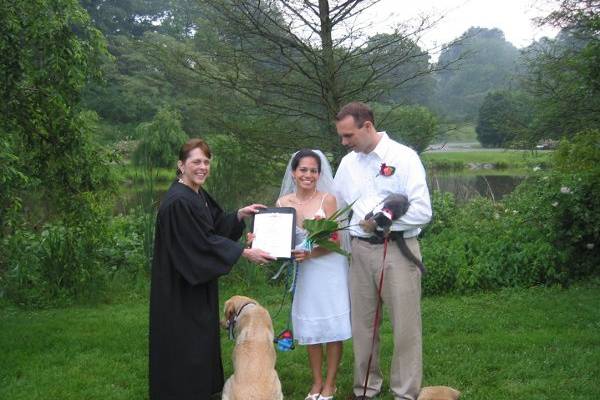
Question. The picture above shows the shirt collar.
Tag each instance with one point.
(381, 148)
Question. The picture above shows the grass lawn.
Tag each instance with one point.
(506, 162)
(462, 133)
(509, 157)
(540, 343)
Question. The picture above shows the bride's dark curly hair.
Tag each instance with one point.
(300, 154)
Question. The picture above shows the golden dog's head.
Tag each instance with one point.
(438, 393)
(233, 306)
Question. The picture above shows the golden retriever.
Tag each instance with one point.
(254, 376)
(438, 393)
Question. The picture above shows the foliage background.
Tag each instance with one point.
(100, 94)
(97, 96)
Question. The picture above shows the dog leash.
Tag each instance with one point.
(290, 268)
(285, 339)
(377, 316)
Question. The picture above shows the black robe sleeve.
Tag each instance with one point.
(226, 225)
(195, 248)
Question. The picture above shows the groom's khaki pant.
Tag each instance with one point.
(401, 296)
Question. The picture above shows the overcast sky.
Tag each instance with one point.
(513, 17)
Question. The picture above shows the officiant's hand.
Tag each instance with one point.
(249, 211)
(258, 256)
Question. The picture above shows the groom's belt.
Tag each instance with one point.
(396, 236)
(374, 239)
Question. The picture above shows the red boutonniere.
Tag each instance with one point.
(386, 170)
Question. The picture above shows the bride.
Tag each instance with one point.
(321, 305)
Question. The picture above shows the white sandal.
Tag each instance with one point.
(327, 397)
(313, 396)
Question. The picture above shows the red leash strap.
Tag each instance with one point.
(377, 315)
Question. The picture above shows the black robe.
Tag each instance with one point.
(195, 243)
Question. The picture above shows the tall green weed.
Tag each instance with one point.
(52, 266)
(62, 263)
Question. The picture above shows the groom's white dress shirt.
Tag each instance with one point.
(358, 178)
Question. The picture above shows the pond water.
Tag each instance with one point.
(465, 187)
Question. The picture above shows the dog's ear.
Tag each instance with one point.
(229, 309)
(228, 313)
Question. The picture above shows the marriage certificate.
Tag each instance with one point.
(274, 231)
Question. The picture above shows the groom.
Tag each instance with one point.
(376, 167)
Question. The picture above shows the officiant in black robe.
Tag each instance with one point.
(195, 243)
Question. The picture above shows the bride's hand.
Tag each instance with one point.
(300, 255)
(249, 210)
(249, 238)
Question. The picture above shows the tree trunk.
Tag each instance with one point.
(330, 97)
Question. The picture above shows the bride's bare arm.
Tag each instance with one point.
(329, 206)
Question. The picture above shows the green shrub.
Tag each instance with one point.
(444, 208)
(484, 246)
(546, 232)
(566, 208)
(12, 179)
(581, 154)
(64, 263)
(53, 266)
(501, 165)
(160, 140)
(124, 252)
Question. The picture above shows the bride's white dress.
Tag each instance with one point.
(321, 306)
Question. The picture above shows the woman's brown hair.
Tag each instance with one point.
(187, 147)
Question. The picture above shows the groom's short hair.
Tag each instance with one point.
(359, 111)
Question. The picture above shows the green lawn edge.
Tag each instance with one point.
(539, 343)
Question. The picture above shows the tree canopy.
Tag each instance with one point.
(297, 63)
(504, 118)
(49, 51)
(564, 73)
(488, 62)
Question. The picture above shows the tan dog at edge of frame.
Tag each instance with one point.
(254, 375)
(438, 393)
